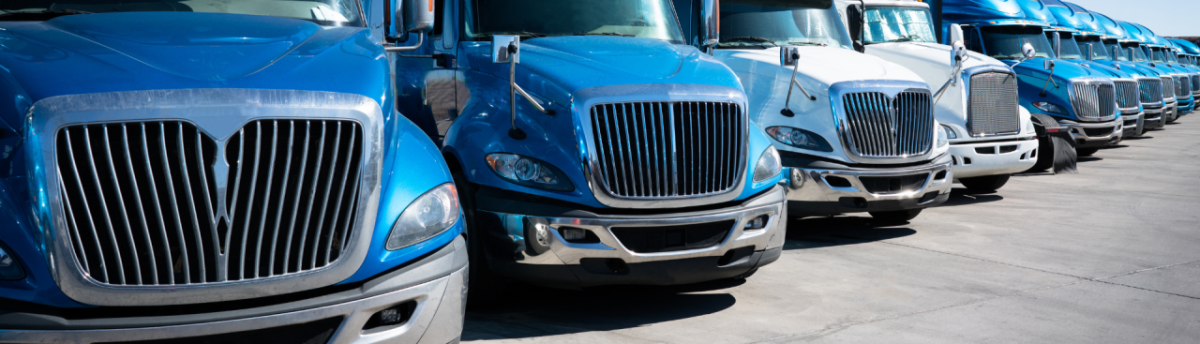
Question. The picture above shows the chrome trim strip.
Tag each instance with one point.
(219, 113)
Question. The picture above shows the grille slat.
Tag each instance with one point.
(656, 150)
(879, 126)
(1094, 100)
(1127, 94)
(142, 195)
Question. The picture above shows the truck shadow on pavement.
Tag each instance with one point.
(816, 232)
(962, 196)
(532, 311)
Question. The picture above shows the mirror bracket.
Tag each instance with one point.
(507, 49)
(1049, 78)
(791, 55)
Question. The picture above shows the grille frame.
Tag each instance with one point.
(1150, 92)
(1079, 98)
(1183, 87)
(1168, 88)
(969, 81)
(1127, 91)
(586, 99)
(218, 113)
(890, 89)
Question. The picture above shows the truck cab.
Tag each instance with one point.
(1188, 54)
(591, 145)
(1164, 50)
(1121, 48)
(1067, 23)
(1078, 98)
(202, 171)
(1144, 42)
(990, 135)
(855, 133)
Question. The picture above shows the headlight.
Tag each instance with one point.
(430, 215)
(1051, 108)
(942, 141)
(950, 134)
(800, 138)
(10, 269)
(768, 165)
(528, 172)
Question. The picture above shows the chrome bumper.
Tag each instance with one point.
(532, 248)
(1133, 124)
(993, 158)
(436, 318)
(810, 192)
(1153, 118)
(1112, 133)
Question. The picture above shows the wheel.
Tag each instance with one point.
(984, 184)
(484, 286)
(1086, 151)
(896, 215)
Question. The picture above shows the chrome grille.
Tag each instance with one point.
(1127, 94)
(142, 202)
(878, 126)
(1150, 91)
(657, 150)
(1183, 87)
(1195, 83)
(993, 104)
(1094, 99)
(1168, 88)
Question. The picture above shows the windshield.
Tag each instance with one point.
(323, 12)
(1121, 53)
(898, 24)
(654, 19)
(1099, 52)
(1070, 49)
(1158, 56)
(1138, 54)
(766, 23)
(1004, 42)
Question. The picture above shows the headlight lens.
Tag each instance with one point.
(942, 141)
(800, 138)
(430, 215)
(1050, 108)
(528, 171)
(950, 134)
(10, 269)
(768, 165)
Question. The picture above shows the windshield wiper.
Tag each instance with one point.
(750, 38)
(819, 44)
(602, 34)
(517, 33)
(43, 15)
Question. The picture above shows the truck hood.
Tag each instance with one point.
(557, 67)
(929, 60)
(822, 65)
(1063, 70)
(111, 52)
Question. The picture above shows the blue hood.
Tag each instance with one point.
(557, 67)
(173, 50)
(1063, 69)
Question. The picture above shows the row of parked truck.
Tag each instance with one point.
(345, 171)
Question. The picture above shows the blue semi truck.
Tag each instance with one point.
(1189, 55)
(591, 145)
(1067, 23)
(1146, 44)
(1080, 99)
(202, 171)
(1123, 48)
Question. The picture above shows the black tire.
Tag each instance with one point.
(896, 215)
(1086, 151)
(985, 183)
(484, 287)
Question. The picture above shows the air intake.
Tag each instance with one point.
(1127, 94)
(992, 109)
(1094, 99)
(878, 126)
(1150, 91)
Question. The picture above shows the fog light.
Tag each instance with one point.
(759, 222)
(573, 233)
(578, 235)
(390, 316)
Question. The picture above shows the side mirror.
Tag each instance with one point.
(506, 49)
(1116, 53)
(1049, 65)
(1057, 45)
(710, 16)
(1091, 52)
(788, 56)
(417, 16)
(1027, 50)
(958, 50)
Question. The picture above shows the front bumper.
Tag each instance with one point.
(1134, 123)
(977, 159)
(826, 188)
(1154, 118)
(523, 241)
(435, 287)
(1103, 134)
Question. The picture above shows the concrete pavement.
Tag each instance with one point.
(1108, 255)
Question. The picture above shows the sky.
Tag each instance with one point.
(1164, 17)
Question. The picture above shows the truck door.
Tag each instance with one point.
(433, 100)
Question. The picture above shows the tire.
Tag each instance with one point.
(896, 215)
(1086, 151)
(984, 184)
(484, 286)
